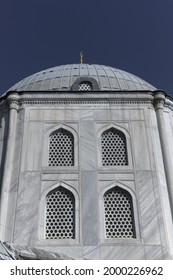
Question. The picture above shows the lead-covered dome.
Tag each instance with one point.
(63, 78)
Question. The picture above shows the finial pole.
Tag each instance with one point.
(81, 57)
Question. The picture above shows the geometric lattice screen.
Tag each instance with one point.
(60, 214)
(85, 86)
(114, 150)
(119, 219)
(61, 148)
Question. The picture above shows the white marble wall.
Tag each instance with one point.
(144, 177)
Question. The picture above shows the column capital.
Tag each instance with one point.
(13, 100)
(159, 100)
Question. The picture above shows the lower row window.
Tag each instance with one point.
(118, 212)
(60, 215)
(118, 208)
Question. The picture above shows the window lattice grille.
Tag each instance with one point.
(84, 86)
(61, 148)
(119, 221)
(113, 144)
(60, 217)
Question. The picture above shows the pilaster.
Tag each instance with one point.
(159, 101)
(12, 101)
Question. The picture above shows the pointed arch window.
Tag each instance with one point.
(119, 216)
(60, 214)
(61, 148)
(114, 149)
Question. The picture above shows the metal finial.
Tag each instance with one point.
(81, 57)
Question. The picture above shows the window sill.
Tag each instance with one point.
(59, 169)
(120, 241)
(58, 242)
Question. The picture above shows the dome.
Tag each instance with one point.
(62, 78)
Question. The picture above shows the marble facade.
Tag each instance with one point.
(26, 123)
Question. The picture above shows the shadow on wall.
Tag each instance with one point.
(3, 144)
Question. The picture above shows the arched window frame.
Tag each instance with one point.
(128, 147)
(103, 237)
(42, 215)
(49, 131)
(92, 81)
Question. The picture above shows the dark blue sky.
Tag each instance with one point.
(132, 35)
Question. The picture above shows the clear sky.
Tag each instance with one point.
(132, 35)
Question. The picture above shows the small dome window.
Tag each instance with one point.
(85, 86)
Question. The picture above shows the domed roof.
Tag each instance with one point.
(62, 78)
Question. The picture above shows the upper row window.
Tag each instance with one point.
(113, 148)
(61, 148)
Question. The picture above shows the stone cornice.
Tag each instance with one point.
(77, 101)
(85, 98)
(60, 98)
(169, 104)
